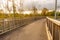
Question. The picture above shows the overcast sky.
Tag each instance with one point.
(42, 3)
(27, 4)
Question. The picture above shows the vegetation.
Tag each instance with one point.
(45, 12)
(19, 15)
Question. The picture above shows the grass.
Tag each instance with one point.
(58, 17)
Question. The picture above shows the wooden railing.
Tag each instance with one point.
(9, 25)
(54, 28)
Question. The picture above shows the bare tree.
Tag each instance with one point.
(14, 8)
(21, 6)
(34, 10)
(7, 6)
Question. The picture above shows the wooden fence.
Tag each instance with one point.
(54, 28)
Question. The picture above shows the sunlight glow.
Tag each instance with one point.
(27, 12)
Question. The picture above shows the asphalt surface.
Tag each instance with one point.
(33, 31)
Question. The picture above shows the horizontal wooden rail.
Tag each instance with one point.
(54, 28)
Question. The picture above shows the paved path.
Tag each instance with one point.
(33, 31)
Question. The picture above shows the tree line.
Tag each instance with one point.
(45, 12)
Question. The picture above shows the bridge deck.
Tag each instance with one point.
(33, 31)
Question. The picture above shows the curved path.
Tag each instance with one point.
(33, 31)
